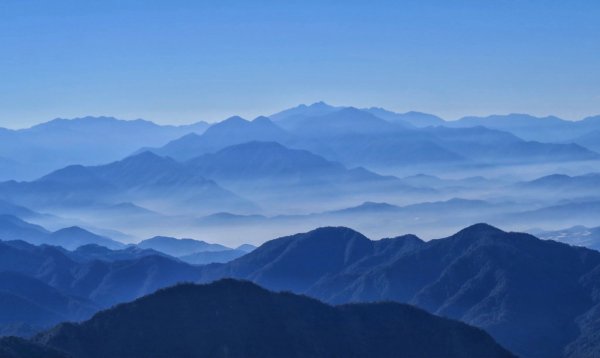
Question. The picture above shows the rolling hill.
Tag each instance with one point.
(239, 319)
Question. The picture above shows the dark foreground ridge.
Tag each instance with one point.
(232, 318)
(537, 298)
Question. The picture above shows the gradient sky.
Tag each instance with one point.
(183, 61)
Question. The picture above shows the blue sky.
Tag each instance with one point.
(183, 61)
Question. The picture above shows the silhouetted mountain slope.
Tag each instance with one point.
(546, 129)
(564, 183)
(178, 247)
(485, 145)
(102, 282)
(72, 237)
(357, 137)
(532, 295)
(264, 160)
(7, 208)
(238, 319)
(417, 119)
(271, 166)
(146, 178)
(349, 135)
(93, 252)
(290, 117)
(12, 228)
(246, 248)
(344, 121)
(28, 300)
(13, 347)
(232, 131)
(459, 207)
(90, 140)
(315, 109)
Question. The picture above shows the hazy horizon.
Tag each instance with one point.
(17, 126)
(185, 62)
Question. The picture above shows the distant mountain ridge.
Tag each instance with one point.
(360, 137)
(13, 228)
(178, 247)
(232, 131)
(104, 282)
(146, 178)
(544, 129)
(88, 141)
(30, 152)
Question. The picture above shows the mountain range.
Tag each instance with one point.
(31, 152)
(535, 297)
(357, 137)
(103, 282)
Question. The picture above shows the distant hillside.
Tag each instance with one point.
(102, 280)
(13, 228)
(232, 131)
(528, 127)
(88, 141)
(146, 178)
(178, 247)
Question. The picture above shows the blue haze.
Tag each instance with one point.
(183, 61)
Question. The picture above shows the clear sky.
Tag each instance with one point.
(174, 61)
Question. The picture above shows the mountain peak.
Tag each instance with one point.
(262, 119)
(480, 229)
(234, 120)
(315, 109)
(70, 174)
(143, 159)
(320, 104)
(328, 230)
(72, 230)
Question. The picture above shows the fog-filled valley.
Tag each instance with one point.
(340, 204)
(245, 181)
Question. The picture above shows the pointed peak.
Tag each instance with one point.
(146, 154)
(190, 136)
(145, 157)
(320, 104)
(480, 229)
(70, 172)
